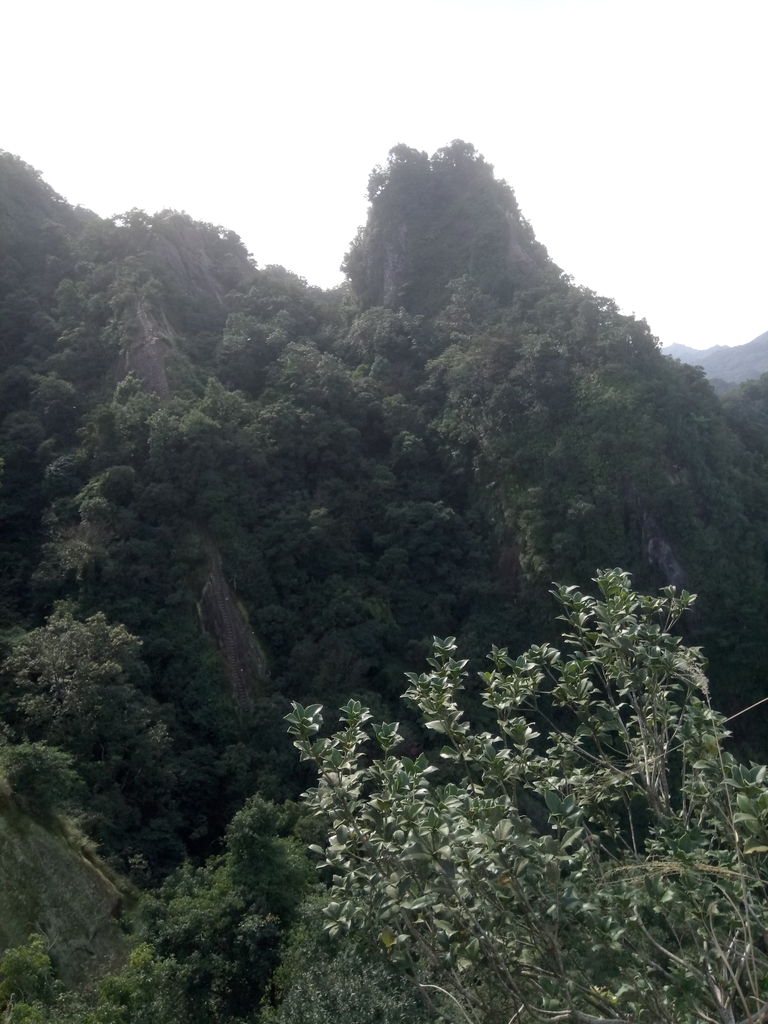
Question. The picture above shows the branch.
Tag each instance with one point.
(423, 985)
(759, 1018)
(701, 978)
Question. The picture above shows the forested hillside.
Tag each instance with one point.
(224, 489)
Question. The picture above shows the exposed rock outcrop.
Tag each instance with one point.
(517, 257)
(182, 245)
(657, 549)
(226, 621)
(394, 260)
(145, 356)
(51, 885)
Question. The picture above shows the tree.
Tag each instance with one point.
(217, 928)
(616, 873)
(26, 980)
(75, 692)
(42, 778)
(322, 979)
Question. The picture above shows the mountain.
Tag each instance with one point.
(284, 492)
(224, 489)
(726, 363)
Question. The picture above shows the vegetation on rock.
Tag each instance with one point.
(223, 489)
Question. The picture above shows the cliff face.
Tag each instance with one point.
(51, 885)
(145, 356)
(224, 619)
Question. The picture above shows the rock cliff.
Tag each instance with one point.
(53, 884)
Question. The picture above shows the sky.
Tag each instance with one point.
(633, 133)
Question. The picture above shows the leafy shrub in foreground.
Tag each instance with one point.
(642, 895)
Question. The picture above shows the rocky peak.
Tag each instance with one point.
(433, 220)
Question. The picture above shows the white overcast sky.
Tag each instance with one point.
(634, 133)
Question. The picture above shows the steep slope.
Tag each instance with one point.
(223, 618)
(52, 885)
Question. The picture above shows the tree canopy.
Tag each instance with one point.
(224, 489)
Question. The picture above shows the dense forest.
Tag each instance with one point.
(224, 490)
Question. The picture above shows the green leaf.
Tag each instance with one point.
(553, 801)
(571, 837)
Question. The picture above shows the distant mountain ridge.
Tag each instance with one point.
(725, 362)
